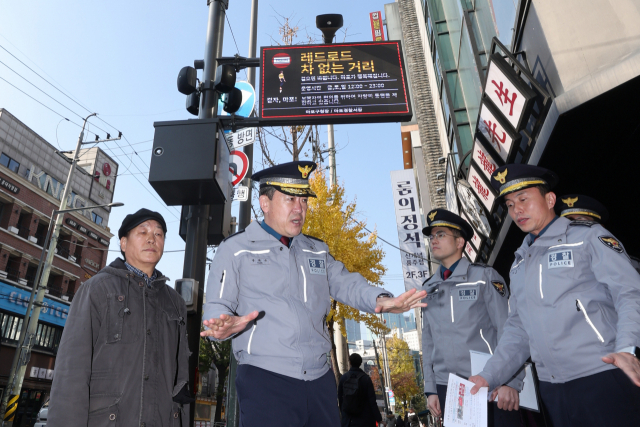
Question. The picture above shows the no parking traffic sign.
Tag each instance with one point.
(238, 165)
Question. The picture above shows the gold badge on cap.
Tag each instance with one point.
(501, 177)
(304, 171)
(433, 215)
(570, 201)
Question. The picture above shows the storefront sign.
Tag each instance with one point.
(339, 83)
(496, 131)
(450, 189)
(46, 183)
(475, 240)
(473, 208)
(471, 253)
(41, 373)
(16, 300)
(484, 160)
(9, 186)
(409, 223)
(377, 31)
(481, 188)
(510, 94)
(84, 230)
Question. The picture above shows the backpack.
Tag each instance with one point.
(353, 396)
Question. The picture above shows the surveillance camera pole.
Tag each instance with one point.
(197, 216)
(29, 325)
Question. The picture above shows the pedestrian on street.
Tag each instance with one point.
(361, 409)
(399, 421)
(468, 307)
(270, 289)
(391, 419)
(123, 358)
(574, 309)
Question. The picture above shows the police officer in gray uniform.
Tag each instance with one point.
(467, 308)
(578, 207)
(575, 308)
(269, 289)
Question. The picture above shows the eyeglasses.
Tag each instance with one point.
(438, 236)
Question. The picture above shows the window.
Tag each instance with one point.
(47, 337)
(9, 163)
(96, 218)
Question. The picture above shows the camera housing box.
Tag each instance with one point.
(219, 223)
(190, 163)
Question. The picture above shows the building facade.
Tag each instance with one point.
(32, 177)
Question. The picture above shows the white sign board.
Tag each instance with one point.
(409, 222)
(482, 190)
(450, 189)
(475, 239)
(241, 138)
(471, 253)
(505, 95)
(494, 132)
(484, 160)
(472, 207)
(241, 193)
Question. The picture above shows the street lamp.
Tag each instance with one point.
(30, 323)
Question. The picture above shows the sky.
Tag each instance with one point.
(121, 59)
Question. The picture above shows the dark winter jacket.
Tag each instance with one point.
(123, 355)
(371, 413)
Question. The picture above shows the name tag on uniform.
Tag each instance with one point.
(260, 261)
(561, 259)
(467, 294)
(316, 266)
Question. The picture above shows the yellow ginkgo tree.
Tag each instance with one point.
(331, 218)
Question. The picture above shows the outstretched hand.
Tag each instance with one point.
(629, 364)
(226, 325)
(400, 304)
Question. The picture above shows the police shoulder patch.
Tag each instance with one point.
(234, 235)
(499, 286)
(612, 243)
(582, 223)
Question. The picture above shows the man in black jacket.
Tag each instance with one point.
(123, 359)
(370, 413)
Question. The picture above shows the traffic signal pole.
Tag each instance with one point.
(195, 256)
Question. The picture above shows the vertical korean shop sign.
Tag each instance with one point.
(377, 32)
(339, 83)
(409, 222)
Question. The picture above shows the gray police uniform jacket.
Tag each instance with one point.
(575, 298)
(253, 271)
(465, 312)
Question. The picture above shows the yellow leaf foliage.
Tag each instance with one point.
(402, 369)
(348, 243)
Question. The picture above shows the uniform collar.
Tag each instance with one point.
(532, 237)
(452, 268)
(459, 272)
(556, 233)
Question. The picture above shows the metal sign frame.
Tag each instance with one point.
(400, 115)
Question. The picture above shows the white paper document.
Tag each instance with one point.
(462, 409)
(528, 397)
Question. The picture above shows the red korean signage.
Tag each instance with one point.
(510, 94)
(483, 159)
(481, 188)
(496, 131)
(377, 31)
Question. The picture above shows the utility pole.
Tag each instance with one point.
(29, 325)
(195, 256)
(233, 408)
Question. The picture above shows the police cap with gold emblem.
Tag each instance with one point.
(289, 178)
(577, 204)
(445, 218)
(515, 177)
